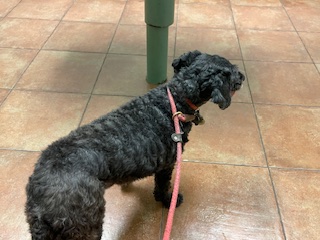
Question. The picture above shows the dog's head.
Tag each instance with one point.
(206, 77)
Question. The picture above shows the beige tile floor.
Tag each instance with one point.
(251, 172)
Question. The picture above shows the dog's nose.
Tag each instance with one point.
(238, 84)
(242, 77)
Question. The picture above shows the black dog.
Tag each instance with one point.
(65, 192)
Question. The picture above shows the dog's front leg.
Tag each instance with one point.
(162, 186)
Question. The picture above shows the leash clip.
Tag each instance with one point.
(198, 118)
(177, 137)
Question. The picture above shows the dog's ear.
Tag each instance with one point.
(217, 97)
(185, 60)
(214, 87)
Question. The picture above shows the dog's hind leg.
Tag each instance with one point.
(65, 207)
(162, 186)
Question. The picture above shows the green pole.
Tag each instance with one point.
(159, 15)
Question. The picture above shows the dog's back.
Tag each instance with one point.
(65, 192)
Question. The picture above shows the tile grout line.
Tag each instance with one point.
(251, 166)
(295, 30)
(296, 169)
(69, 21)
(20, 150)
(260, 134)
(223, 164)
(35, 56)
(269, 169)
(19, 78)
(318, 69)
(102, 64)
(11, 89)
(6, 15)
(244, 29)
(55, 29)
(287, 105)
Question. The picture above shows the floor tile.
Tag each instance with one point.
(15, 169)
(132, 213)
(41, 9)
(96, 11)
(270, 3)
(43, 118)
(3, 94)
(291, 135)
(63, 72)
(229, 136)
(213, 41)
(298, 194)
(264, 18)
(219, 2)
(6, 6)
(25, 33)
(301, 3)
(226, 202)
(133, 13)
(13, 63)
(312, 43)
(305, 19)
(100, 105)
(83, 37)
(272, 46)
(284, 83)
(125, 75)
(130, 39)
(205, 15)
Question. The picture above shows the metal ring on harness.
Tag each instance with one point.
(177, 114)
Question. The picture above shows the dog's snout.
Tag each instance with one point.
(238, 86)
(238, 82)
(241, 77)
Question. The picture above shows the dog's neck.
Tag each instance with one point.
(193, 115)
(191, 105)
(196, 118)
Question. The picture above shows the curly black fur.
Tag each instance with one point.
(65, 192)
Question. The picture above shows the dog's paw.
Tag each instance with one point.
(167, 200)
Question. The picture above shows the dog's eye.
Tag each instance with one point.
(226, 73)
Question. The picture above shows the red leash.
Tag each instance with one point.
(175, 116)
